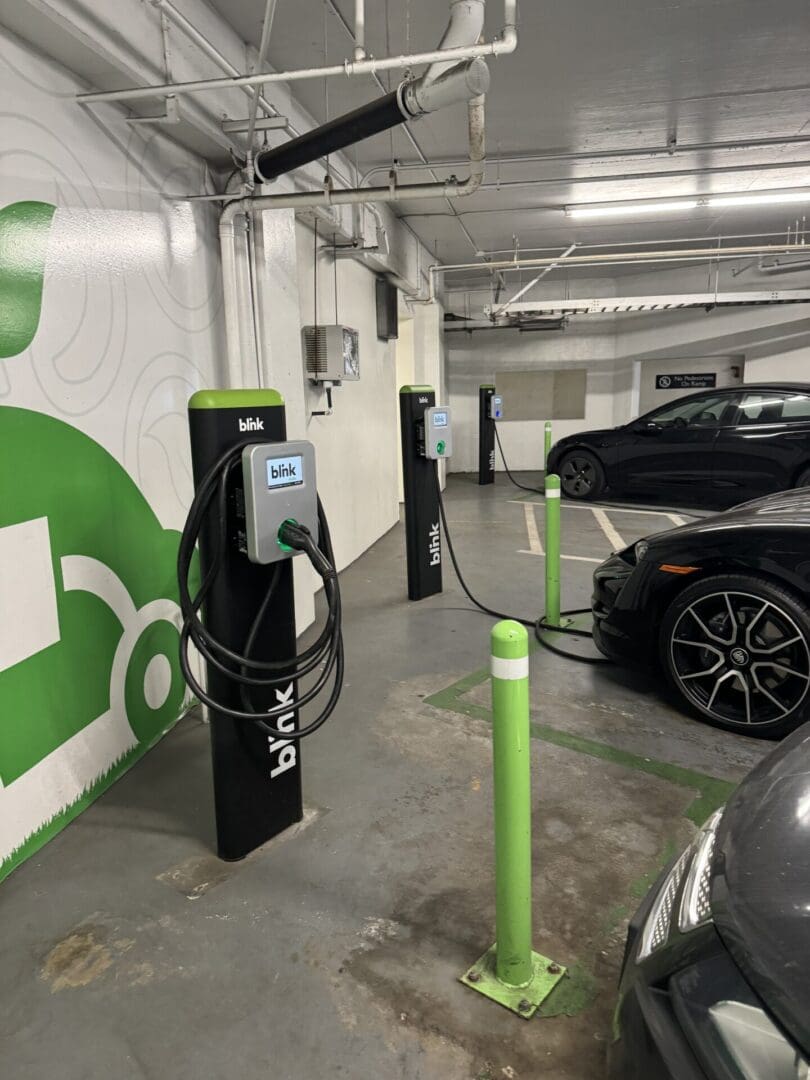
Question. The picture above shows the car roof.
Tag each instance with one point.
(802, 386)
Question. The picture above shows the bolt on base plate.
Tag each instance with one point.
(523, 1000)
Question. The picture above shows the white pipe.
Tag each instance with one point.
(210, 50)
(606, 154)
(638, 258)
(506, 43)
(237, 297)
(464, 28)
(533, 282)
(459, 82)
(213, 53)
(267, 26)
(778, 267)
(359, 29)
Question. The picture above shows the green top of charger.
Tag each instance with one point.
(416, 390)
(234, 399)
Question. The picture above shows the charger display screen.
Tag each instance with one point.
(285, 472)
(440, 419)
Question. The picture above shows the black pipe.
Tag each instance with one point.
(343, 131)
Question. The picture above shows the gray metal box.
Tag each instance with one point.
(438, 433)
(331, 353)
(280, 483)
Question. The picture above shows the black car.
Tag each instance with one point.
(721, 605)
(716, 977)
(723, 445)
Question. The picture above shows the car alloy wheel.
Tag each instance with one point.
(578, 476)
(740, 658)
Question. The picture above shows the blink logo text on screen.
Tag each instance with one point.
(285, 472)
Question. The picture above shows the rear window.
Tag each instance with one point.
(796, 407)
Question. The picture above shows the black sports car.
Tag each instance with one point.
(721, 605)
(724, 445)
(716, 977)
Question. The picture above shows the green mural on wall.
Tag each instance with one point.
(89, 671)
(24, 229)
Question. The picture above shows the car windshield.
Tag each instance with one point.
(704, 411)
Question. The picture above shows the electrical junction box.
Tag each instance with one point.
(279, 484)
(438, 433)
(496, 407)
(331, 353)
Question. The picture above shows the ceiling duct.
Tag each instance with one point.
(444, 83)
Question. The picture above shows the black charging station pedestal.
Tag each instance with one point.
(486, 436)
(423, 543)
(257, 779)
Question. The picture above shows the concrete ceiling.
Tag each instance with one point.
(588, 76)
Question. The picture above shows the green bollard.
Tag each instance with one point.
(510, 973)
(552, 550)
(547, 443)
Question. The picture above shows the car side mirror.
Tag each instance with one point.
(646, 427)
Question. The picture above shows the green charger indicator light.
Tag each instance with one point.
(440, 446)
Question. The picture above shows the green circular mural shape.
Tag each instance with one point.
(153, 703)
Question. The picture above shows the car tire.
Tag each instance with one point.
(803, 479)
(736, 650)
(582, 475)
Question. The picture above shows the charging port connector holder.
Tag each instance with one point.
(280, 486)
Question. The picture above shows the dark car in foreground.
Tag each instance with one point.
(715, 983)
(721, 606)
(723, 446)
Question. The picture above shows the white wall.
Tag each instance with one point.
(357, 445)
(477, 358)
(95, 476)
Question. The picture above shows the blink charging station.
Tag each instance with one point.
(490, 409)
(255, 507)
(427, 437)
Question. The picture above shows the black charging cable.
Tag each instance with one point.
(243, 668)
(538, 625)
(457, 568)
(523, 487)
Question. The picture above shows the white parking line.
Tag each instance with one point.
(535, 546)
(606, 525)
(611, 509)
(573, 558)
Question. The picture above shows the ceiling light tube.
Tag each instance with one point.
(759, 198)
(655, 206)
(622, 209)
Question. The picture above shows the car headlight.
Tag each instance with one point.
(640, 550)
(659, 920)
(695, 865)
(695, 906)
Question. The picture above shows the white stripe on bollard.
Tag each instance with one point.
(509, 669)
(552, 493)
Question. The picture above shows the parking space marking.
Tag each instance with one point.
(612, 509)
(535, 546)
(573, 558)
(614, 538)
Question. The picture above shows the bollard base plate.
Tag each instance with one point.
(522, 1000)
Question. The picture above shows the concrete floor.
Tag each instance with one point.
(130, 950)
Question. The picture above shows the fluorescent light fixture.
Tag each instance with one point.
(658, 206)
(618, 209)
(761, 199)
